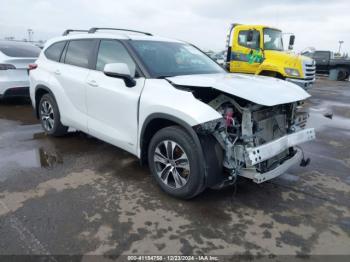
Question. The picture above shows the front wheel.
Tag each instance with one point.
(50, 116)
(173, 158)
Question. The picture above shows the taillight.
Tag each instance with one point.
(6, 67)
(32, 66)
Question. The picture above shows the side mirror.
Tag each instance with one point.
(120, 70)
(291, 42)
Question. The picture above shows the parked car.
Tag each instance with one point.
(15, 58)
(220, 58)
(326, 61)
(170, 105)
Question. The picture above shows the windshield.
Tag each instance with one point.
(273, 39)
(164, 59)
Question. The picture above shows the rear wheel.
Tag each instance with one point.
(343, 74)
(173, 158)
(50, 116)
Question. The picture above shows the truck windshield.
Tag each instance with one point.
(273, 39)
(164, 59)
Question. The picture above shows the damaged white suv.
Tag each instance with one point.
(170, 105)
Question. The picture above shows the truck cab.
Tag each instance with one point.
(258, 49)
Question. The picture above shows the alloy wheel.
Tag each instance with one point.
(47, 115)
(172, 164)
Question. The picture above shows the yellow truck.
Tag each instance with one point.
(258, 49)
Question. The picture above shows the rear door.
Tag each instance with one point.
(72, 76)
(112, 106)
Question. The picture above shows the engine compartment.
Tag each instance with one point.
(248, 125)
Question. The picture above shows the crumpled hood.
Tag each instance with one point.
(261, 90)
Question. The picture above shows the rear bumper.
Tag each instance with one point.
(16, 92)
(304, 83)
(10, 86)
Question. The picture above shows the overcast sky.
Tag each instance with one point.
(316, 23)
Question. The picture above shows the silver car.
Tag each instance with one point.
(15, 58)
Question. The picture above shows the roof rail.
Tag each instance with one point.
(68, 31)
(95, 29)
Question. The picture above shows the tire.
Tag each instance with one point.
(343, 74)
(49, 116)
(177, 181)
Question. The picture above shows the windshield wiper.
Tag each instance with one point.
(162, 77)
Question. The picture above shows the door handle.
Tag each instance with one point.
(57, 72)
(92, 83)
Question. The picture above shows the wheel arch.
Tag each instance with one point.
(157, 121)
(271, 73)
(212, 164)
(41, 90)
(271, 68)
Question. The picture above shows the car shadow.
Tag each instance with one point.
(17, 109)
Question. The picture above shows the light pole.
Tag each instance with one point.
(340, 43)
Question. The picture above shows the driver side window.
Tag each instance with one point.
(112, 51)
(243, 37)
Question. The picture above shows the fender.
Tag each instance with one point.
(269, 67)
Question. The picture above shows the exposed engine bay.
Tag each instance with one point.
(259, 142)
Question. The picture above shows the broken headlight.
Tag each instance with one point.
(210, 126)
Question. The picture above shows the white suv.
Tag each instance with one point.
(170, 105)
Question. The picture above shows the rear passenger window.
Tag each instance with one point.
(78, 52)
(54, 51)
(112, 51)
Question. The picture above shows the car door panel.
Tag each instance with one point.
(113, 109)
(240, 51)
(112, 106)
(72, 80)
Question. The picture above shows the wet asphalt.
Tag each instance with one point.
(78, 195)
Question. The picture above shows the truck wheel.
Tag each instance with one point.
(173, 158)
(343, 74)
(49, 115)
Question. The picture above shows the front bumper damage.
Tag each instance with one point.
(256, 155)
(250, 157)
(281, 169)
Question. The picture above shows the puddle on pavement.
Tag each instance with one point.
(34, 158)
(325, 115)
(289, 177)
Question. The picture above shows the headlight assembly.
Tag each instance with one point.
(292, 72)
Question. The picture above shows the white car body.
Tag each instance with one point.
(14, 79)
(100, 105)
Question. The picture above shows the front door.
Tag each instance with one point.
(112, 106)
(242, 51)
